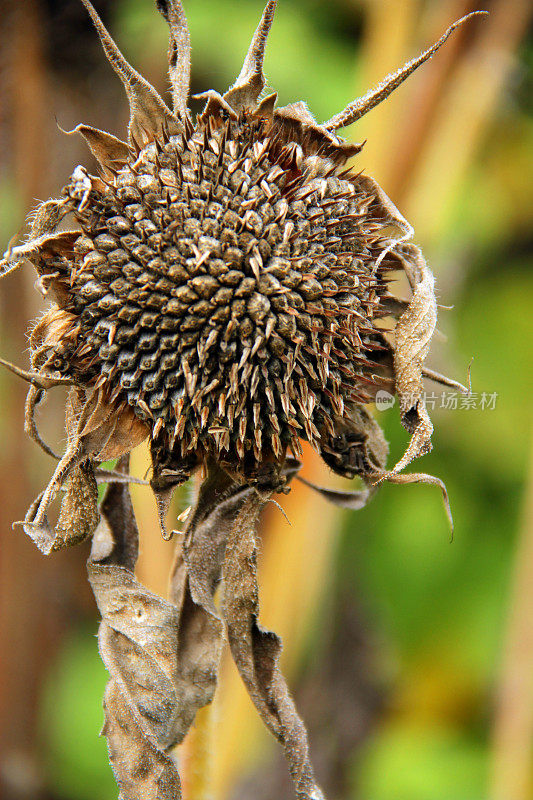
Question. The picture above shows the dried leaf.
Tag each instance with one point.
(116, 512)
(36, 522)
(414, 329)
(413, 334)
(141, 769)
(95, 432)
(256, 651)
(418, 477)
(163, 658)
(194, 582)
(78, 515)
(138, 643)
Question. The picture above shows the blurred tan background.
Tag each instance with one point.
(411, 657)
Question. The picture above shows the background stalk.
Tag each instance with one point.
(196, 756)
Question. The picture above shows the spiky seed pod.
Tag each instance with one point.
(229, 296)
(225, 290)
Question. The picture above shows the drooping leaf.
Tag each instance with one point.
(138, 644)
(256, 651)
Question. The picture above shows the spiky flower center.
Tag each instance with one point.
(228, 291)
(225, 293)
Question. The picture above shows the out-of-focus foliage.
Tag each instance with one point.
(81, 769)
(436, 611)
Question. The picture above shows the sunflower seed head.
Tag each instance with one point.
(220, 290)
(228, 278)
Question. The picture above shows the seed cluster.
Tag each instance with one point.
(225, 289)
(228, 294)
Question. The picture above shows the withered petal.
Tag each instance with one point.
(38, 249)
(110, 152)
(295, 122)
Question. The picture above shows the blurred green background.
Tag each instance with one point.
(411, 656)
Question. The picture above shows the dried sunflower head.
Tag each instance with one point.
(225, 288)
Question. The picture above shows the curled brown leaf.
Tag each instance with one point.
(138, 644)
(256, 651)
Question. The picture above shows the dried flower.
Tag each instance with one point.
(225, 292)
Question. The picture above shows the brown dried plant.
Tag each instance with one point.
(225, 291)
